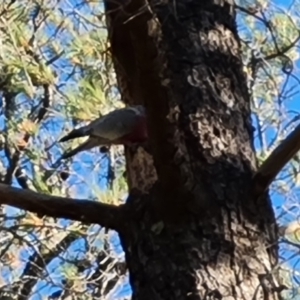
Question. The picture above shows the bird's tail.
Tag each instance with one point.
(89, 144)
(76, 133)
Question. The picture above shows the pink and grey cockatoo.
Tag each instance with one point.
(123, 126)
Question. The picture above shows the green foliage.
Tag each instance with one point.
(55, 71)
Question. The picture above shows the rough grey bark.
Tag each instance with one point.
(196, 229)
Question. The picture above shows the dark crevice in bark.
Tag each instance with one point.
(144, 85)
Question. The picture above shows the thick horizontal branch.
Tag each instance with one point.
(86, 211)
(276, 161)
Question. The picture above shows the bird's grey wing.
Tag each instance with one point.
(115, 125)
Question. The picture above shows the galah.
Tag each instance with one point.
(124, 126)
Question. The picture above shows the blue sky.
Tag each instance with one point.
(95, 176)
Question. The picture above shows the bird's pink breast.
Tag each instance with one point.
(139, 133)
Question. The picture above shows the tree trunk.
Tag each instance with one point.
(196, 230)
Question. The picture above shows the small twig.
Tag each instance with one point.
(15, 158)
(9, 107)
(22, 179)
(55, 58)
(5, 10)
(279, 52)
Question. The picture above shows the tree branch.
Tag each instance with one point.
(276, 161)
(86, 211)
